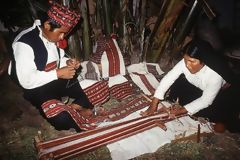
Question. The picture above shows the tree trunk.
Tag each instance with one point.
(87, 45)
(107, 19)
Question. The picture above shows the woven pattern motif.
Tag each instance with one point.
(152, 69)
(51, 66)
(146, 83)
(54, 107)
(101, 46)
(122, 110)
(121, 91)
(63, 16)
(113, 58)
(98, 93)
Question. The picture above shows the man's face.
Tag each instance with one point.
(56, 35)
(193, 65)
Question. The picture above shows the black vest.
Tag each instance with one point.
(40, 52)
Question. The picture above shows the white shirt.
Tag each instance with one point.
(28, 75)
(206, 79)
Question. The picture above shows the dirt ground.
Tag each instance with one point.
(20, 123)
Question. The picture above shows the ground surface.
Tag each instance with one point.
(20, 122)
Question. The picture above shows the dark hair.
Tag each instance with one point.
(43, 16)
(203, 51)
(53, 24)
(198, 49)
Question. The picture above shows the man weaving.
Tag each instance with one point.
(43, 72)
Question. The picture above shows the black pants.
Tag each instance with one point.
(225, 108)
(56, 90)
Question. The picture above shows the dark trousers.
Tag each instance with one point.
(56, 90)
(225, 108)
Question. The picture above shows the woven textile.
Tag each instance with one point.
(144, 68)
(63, 15)
(112, 61)
(91, 74)
(145, 75)
(127, 107)
(96, 91)
(54, 107)
(148, 85)
(100, 48)
(90, 70)
(139, 68)
(146, 82)
(109, 55)
(51, 66)
(155, 69)
(119, 87)
(121, 91)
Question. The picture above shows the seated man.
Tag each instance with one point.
(43, 72)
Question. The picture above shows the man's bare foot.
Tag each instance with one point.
(86, 112)
(83, 111)
(101, 111)
(76, 106)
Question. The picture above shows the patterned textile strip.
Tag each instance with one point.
(113, 58)
(96, 57)
(51, 66)
(47, 144)
(152, 69)
(63, 15)
(146, 82)
(122, 110)
(75, 145)
(120, 91)
(98, 93)
(54, 107)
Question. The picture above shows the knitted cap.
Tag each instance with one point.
(63, 15)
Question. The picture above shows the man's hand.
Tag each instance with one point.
(177, 110)
(73, 63)
(66, 72)
(152, 109)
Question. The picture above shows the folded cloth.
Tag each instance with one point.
(146, 82)
(155, 69)
(119, 87)
(112, 60)
(90, 70)
(96, 91)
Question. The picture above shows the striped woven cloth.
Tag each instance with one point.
(120, 87)
(109, 55)
(96, 91)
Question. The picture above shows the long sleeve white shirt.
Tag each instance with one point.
(28, 75)
(206, 79)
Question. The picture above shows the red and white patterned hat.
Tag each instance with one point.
(63, 15)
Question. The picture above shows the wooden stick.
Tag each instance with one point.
(198, 133)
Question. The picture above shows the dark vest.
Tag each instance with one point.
(40, 52)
